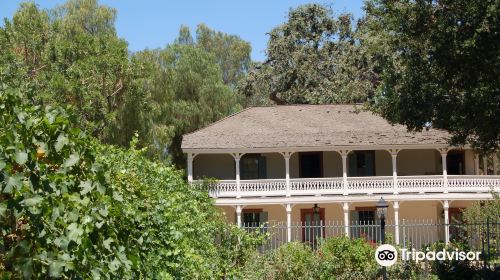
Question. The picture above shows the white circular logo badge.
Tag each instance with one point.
(386, 255)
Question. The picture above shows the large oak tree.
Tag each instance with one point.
(438, 64)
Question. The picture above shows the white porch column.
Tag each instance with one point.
(343, 154)
(394, 155)
(444, 153)
(345, 207)
(396, 221)
(238, 215)
(237, 157)
(485, 165)
(476, 163)
(287, 156)
(190, 157)
(495, 164)
(289, 222)
(446, 206)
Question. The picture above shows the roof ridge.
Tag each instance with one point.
(214, 123)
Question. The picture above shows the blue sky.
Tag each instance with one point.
(155, 23)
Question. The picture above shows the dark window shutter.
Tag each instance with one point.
(262, 167)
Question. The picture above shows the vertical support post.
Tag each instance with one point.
(287, 155)
(238, 215)
(446, 206)
(345, 207)
(344, 154)
(495, 164)
(396, 221)
(476, 163)
(485, 165)
(394, 155)
(237, 157)
(289, 222)
(190, 157)
(444, 153)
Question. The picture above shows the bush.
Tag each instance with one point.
(336, 258)
(73, 208)
(290, 261)
(344, 258)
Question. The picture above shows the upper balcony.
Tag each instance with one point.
(344, 172)
(355, 185)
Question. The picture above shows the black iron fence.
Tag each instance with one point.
(410, 234)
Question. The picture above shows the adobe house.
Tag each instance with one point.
(301, 163)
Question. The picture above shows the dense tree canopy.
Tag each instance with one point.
(184, 91)
(71, 207)
(313, 58)
(439, 65)
(72, 55)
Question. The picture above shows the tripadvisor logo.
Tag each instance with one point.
(387, 255)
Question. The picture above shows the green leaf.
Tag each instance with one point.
(107, 243)
(2, 165)
(61, 141)
(72, 160)
(86, 187)
(117, 196)
(13, 181)
(55, 269)
(21, 158)
(74, 232)
(32, 201)
(3, 209)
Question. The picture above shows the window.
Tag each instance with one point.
(362, 163)
(253, 166)
(253, 217)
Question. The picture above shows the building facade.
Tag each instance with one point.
(294, 165)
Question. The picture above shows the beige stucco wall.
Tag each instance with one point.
(418, 162)
(469, 162)
(332, 164)
(275, 165)
(383, 163)
(409, 162)
(220, 166)
(408, 210)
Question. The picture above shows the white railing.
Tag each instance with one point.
(308, 186)
(371, 185)
(427, 183)
(355, 185)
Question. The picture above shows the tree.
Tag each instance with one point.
(185, 92)
(73, 56)
(438, 64)
(72, 208)
(313, 58)
(231, 53)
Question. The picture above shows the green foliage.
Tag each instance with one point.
(55, 201)
(313, 58)
(185, 92)
(72, 56)
(290, 261)
(336, 258)
(453, 269)
(346, 259)
(482, 211)
(437, 63)
(73, 208)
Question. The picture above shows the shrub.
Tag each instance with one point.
(288, 262)
(73, 208)
(343, 258)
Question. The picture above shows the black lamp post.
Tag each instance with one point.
(316, 221)
(381, 213)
